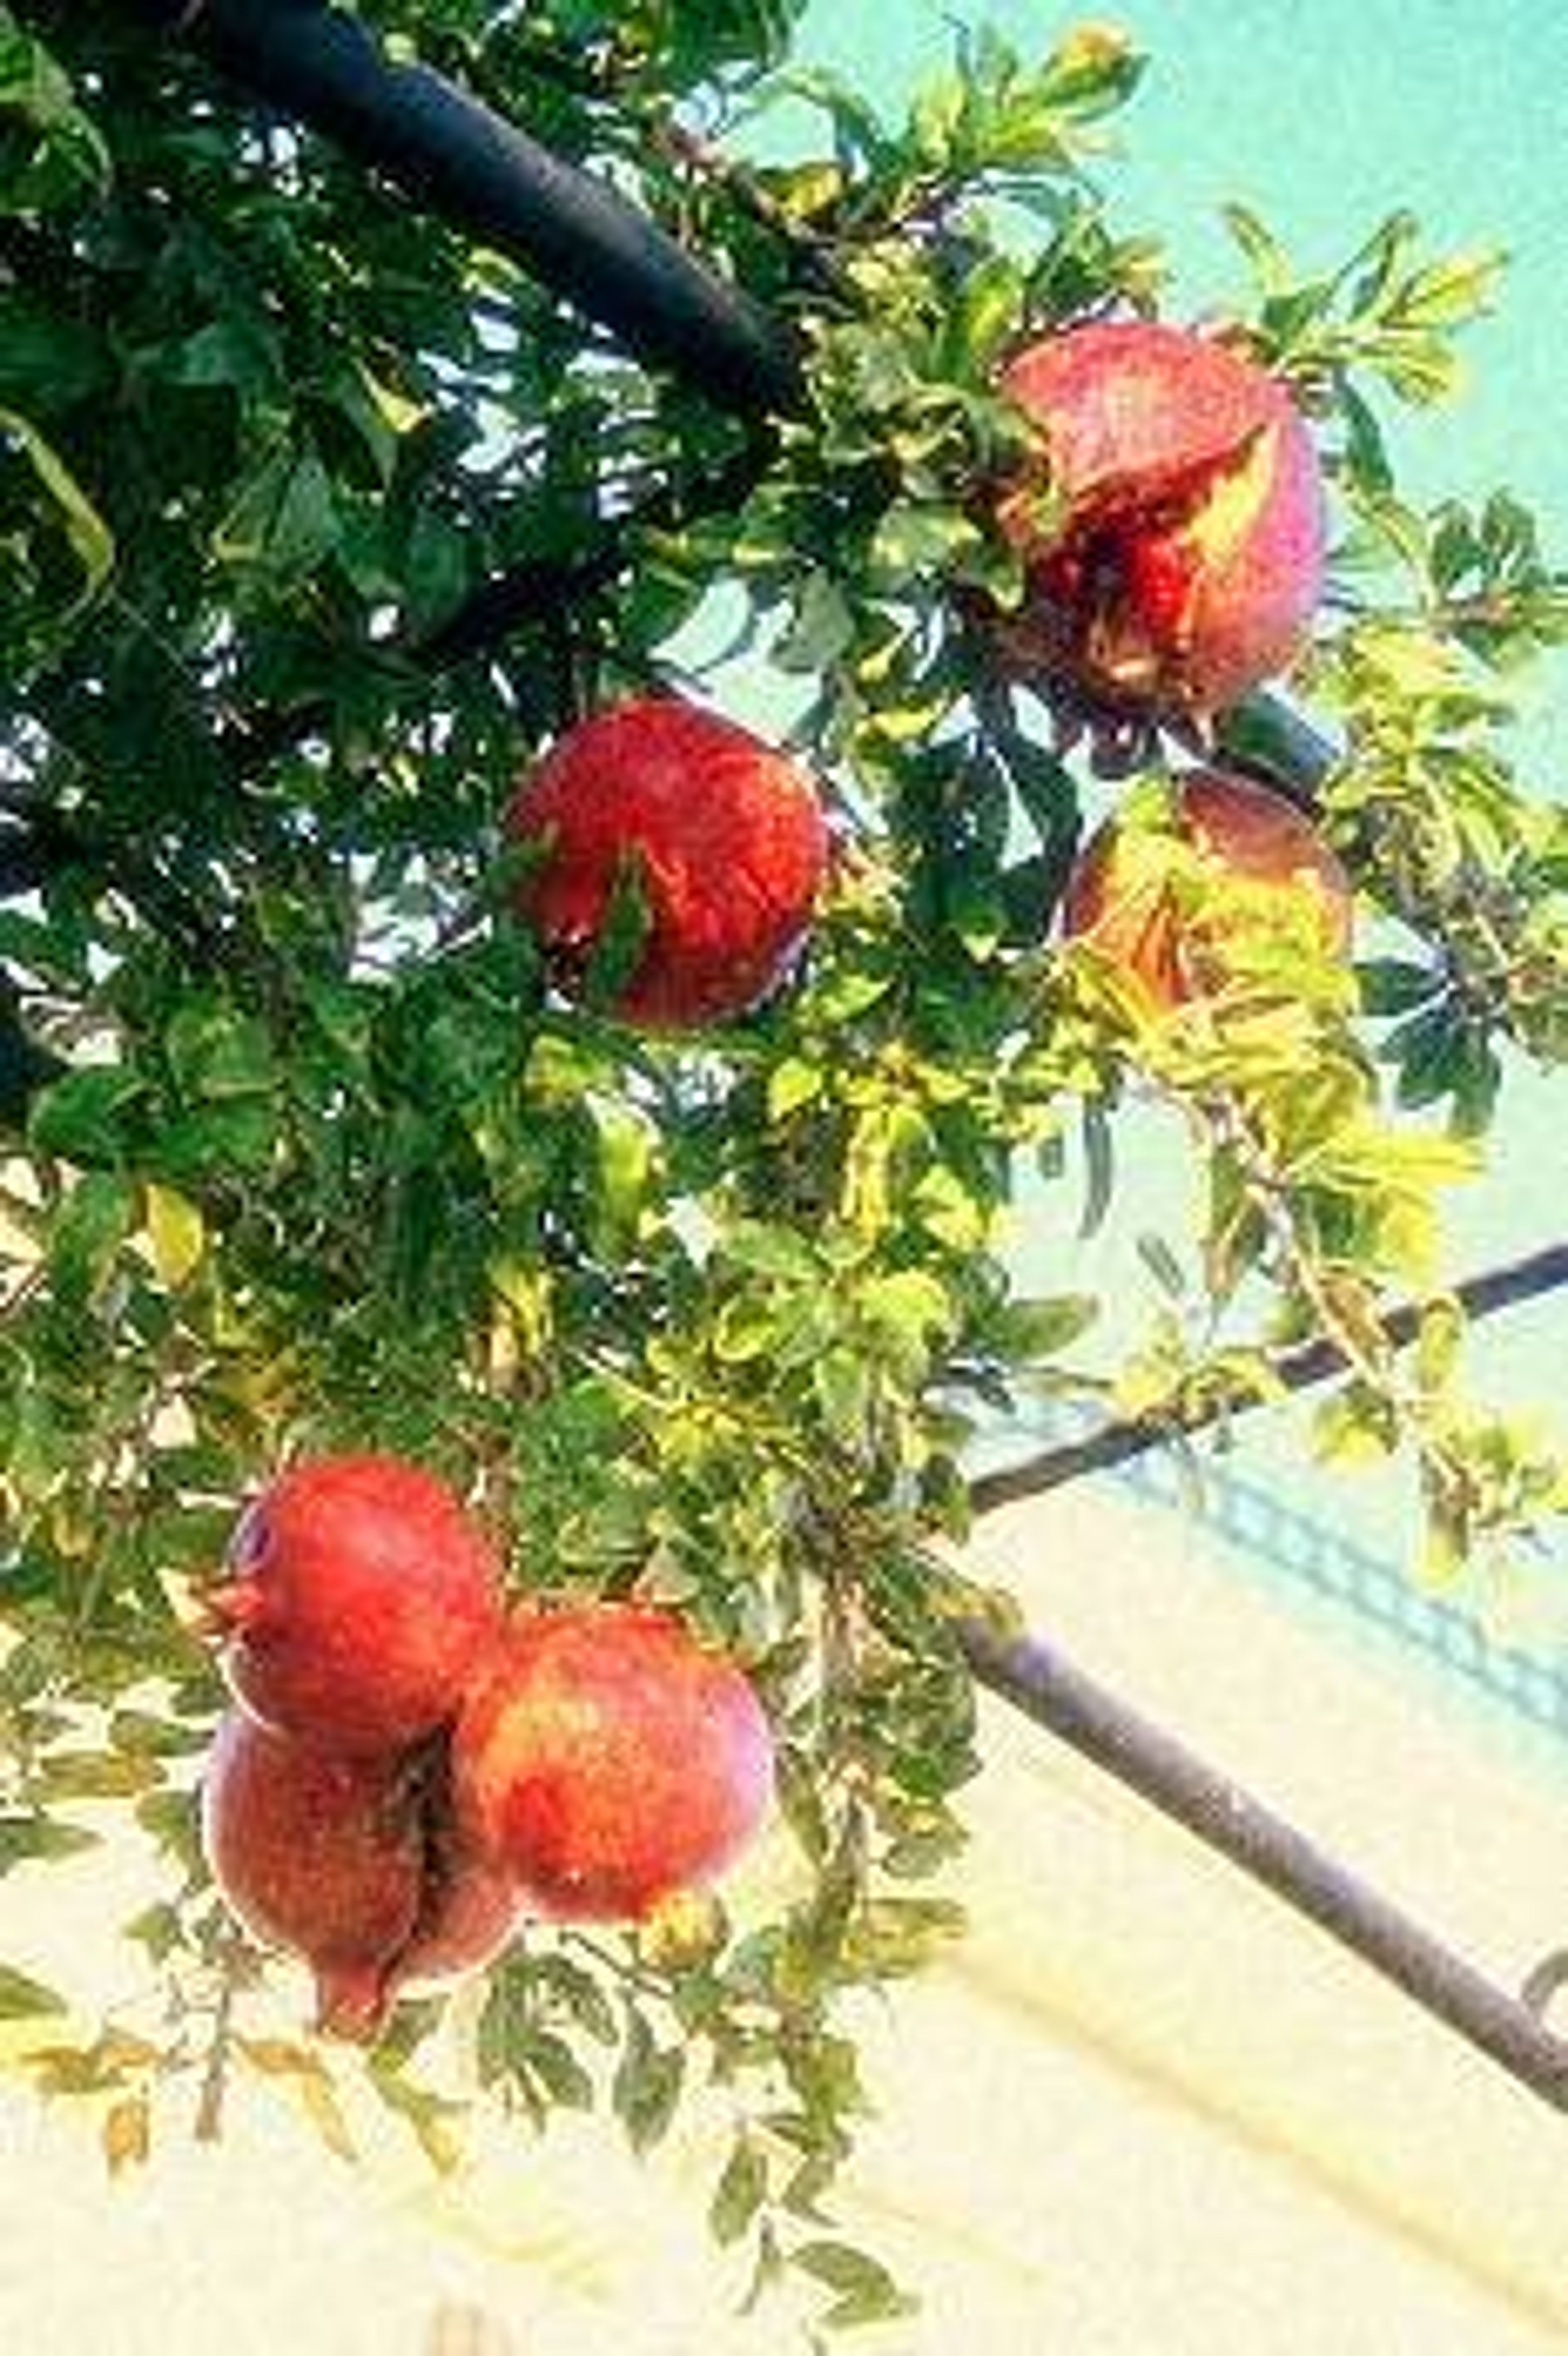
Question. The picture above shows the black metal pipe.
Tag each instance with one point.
(1036, 1679)
(457, 158)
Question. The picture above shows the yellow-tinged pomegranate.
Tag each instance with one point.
(1178, 912)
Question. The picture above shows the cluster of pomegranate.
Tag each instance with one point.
(1172, 536)
(408, 1770)
(1173, 548)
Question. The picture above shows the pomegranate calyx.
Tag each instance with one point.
(232, 1607)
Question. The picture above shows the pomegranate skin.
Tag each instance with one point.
(351, 1863)
(359, 1602)
(1135, 916)
(724, 835)
(319, 1853)
(609, 1761)
(1188, 561)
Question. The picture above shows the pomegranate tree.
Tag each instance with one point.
(1173, 533)
(351, 1861)
(719, 836)
(609, 1761)
(1177, 910)
(358, 1601)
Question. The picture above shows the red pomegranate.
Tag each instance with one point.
(1180, 559)
(352, 1863)
(359, 1599)
(609, 1761)
(723, 835)
(1138, 897)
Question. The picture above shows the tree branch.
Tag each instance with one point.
(1263, 735)
(467, 164)
(1034, 1679)
(460, 160)
(24, 1067)
(543, 586)
(1297, 1369)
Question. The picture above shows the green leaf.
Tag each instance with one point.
(81, 1116)
(551, 2060)
(914, 538)
(1266, 256)
(647, 2084)
(284, 520)
(775, 1252)
(907, 1309)
(625, 1144)
(1451, 293)
(432, 2117)
(22, 1998)
(740, 2193)
(1395, 986)
(217, 1053)
(97, 1774)
(1099, 1168)
(988, 313)
(90, 537)
(25, 1840)
(67, 157)
(1026, 1331)
(1375, 270)
(822, 629)
(1366, 453)
(894, 1936)
(86, 1232)
(864, 2291)
(232, 351)
(1439, 1343)
(159, 1929)
(744, 1330)
(792, 1084)
(49, 361)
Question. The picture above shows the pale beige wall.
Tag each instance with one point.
(1143, 2111)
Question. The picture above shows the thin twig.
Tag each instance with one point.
(208, 2127)
(542, 588)
(1292, 1370)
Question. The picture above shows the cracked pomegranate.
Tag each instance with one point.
(720, 836)
(352, 1862)
(609, 1761)
(358, 1603)
(1146, 898)
(1173, 535)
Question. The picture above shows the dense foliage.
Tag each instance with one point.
(304, 1152)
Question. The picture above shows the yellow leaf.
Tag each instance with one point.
(399, 414)
(176, 1232)
(127, 2134)
(321, 2108)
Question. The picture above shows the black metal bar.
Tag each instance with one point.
(459, 159)
(1036, 1679)
(1296, 1369)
